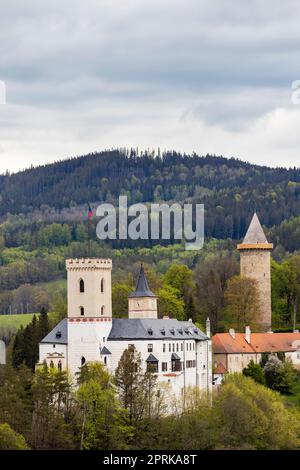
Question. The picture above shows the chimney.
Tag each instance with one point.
(208, 327)
(248, 334)
(232, 332)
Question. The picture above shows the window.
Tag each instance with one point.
(102, 285)
(81, 285)
(152, 367)
(164, 347)
(177, 347)
(82, 311)
(150, 348)
(103, 339)
(53, 346)
(169, 347)
(164, 366)
(190, 364)
(176, 365)
(82, 360)
(51, 365)
(105, 360)
(59, 365)
(102, 310)
(173, 347)
(181, 347)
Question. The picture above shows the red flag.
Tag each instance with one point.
(90, 212)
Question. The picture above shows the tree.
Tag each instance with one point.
(170, 303)
(104, 424)
(43, 324)
(255, 371)
(128, 380)
(280, 376)
(247, 415)
(211, 276)
(10, 440)
(120, 293)
(242, 302)
(52, 410)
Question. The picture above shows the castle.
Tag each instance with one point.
(179, 353)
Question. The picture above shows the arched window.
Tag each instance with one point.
(82, 311)
(59, 365)
(102, 285)
(51, 365)
(102, 310)
(81, 285)
(82, 360)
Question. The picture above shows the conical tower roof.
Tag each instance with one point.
(142, 287)
(255, 232)
(255, 237)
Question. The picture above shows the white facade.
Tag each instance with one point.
(182, 352)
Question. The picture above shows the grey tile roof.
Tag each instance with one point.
(59, 334)
(255, 233)
(175, 357)
(142, 288)
(151, 358)
(104, 351)
(153, 329)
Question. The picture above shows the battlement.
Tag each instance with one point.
(88, 264)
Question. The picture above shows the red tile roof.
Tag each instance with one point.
(220, 369)
(224, 343)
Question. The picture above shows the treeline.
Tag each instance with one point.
(45, 411)
(230, 189)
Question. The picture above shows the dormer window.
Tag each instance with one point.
(172, 331)
(81, 286)
(180, 331)
(163, 332)
(58, 334)
(150, 331)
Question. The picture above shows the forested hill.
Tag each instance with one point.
(230, 189)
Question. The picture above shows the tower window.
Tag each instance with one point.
(82, 360)
(81, 285)
(102, 310)
(82, 311)
(59, 365)
(102, 285)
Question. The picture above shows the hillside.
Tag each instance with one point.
(44, 218)
(230, 189)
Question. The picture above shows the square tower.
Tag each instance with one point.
(89, 288)
(142, 303)
(255, 261)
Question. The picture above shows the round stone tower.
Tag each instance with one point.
(255, 260)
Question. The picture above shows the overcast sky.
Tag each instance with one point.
(205, 76)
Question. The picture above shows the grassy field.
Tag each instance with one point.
(14, 322)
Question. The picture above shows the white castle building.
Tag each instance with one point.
(179, 352)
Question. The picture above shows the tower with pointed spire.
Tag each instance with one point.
(142, 303)
(255, 261)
